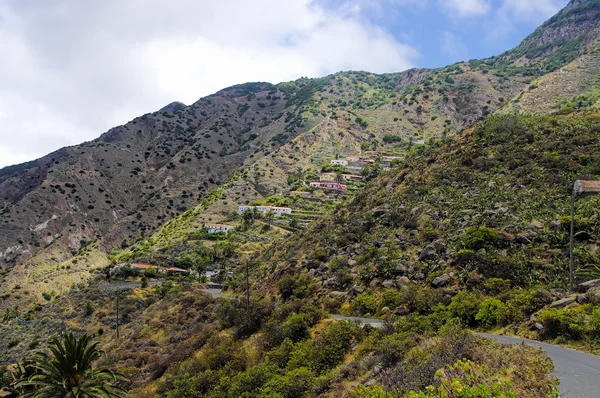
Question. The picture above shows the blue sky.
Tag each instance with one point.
(72, 69)
(448, 31)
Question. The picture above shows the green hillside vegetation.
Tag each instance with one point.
(467, 230)
(475, 229)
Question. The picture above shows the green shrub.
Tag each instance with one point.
(298, 286)
(294, 384)
(488, 315)
(568, 323)
(465, 306)
(364, 304)
(481, 238)
(296, 327)
(391, 298)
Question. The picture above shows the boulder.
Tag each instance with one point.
(419, 276)
(536, 224)
(337, 294)
(388, 284)
(358, 289)
(439, 245)
(375, 283)
(401, 269)
(580, 299)
(351, 262)
(557, 293)
(531, 234)
(402, 281)
(582, 235)
(537, 326)
(322, 267)
(401, 311)
(428, 253)
(441, 280)
(555, 226)
(331, 282)
(380, 211)
(563, 302)
(590, 284)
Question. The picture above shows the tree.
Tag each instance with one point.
(67, 371)
(269, 216)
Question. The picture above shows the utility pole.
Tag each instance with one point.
(117, 316)
(572, 242)
(247, 286)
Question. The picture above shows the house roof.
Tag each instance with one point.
(209, 224)
(586, 187)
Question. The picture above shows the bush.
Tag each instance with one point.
(298, 286)
(465, 306)
(391, 298)
(296, 327)
(294, 384)
(364, 304)
(488, 314)
(568, 323)
(482, 238)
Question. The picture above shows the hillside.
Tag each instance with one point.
(121, 187)
(466, 227)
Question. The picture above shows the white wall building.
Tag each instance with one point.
(277, 211)
(339, 162)
(216, 228)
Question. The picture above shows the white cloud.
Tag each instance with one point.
(467, 8)
(453, 47)
(531, 12)
(74, 68)
(535, 11)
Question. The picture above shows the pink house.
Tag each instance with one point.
(329, 185)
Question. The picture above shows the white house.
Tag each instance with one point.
(277, 211)
(339, 162)
(216, 228)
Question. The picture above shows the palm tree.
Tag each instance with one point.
(67, 371)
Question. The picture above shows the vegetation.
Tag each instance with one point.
(67, 370)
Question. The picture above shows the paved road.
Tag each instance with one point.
(128, 285)
(376, 323)
(216, 293)
(578, 372)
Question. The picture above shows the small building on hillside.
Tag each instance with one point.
(339, 162)
(217, 228)
(333, 177)
(277, 211)
(158, 268)
(329, 185)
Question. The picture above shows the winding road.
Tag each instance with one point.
(578, 372)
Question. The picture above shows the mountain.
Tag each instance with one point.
(87, 199)
(467, 229)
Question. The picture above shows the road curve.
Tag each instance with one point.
(578, 372)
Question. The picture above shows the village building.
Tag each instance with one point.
(277, 211)
(329, 185)
(345, 177)
(159, 269)
(339, 162)
(217, 228)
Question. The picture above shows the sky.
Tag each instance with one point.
(72, 69)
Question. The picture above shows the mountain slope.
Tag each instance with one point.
(85, 200)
